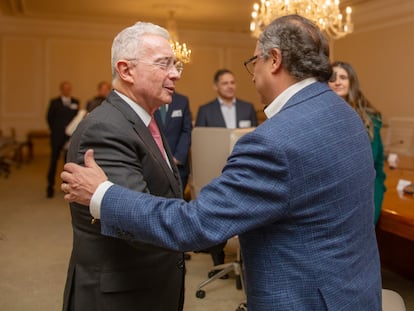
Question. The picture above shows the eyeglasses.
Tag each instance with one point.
(165, 64)
(249, 64)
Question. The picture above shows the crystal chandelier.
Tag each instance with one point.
(182, 53)
(324, 13)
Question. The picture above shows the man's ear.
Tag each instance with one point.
(124, 70)
(276, 58)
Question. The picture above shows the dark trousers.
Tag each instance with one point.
(217, 253)
(56, 149)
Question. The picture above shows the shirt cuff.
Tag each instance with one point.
(96, 200)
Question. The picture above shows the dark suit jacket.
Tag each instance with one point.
(210, 115)
(93, 103)
(177, 130)
(108, 273)
(298, 191)
(58, 117)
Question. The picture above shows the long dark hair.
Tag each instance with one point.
(357, 99)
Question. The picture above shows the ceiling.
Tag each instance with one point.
(214, 15)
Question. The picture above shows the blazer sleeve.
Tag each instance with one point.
(231, 196)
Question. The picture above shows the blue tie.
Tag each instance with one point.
(163, 112)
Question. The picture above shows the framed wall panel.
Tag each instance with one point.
(21, 95)
(22, 68)
(82, 62)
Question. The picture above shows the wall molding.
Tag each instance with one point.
(379, 14)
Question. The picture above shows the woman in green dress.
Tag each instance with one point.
(344, 82)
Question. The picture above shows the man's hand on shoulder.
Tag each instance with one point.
(79, 183)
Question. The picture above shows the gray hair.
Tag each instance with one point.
(304, 48)
(128, 43)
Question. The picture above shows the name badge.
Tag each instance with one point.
(245, 123)
(73, 106)
(176, 114)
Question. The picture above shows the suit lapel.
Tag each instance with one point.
(170, 110)
(145, 136)
(168, 115)
(219, 114)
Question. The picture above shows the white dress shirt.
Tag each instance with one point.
(229, 113)
(277, 104)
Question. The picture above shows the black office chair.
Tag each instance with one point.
(219, 271)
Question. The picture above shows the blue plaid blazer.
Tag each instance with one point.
(298, 191)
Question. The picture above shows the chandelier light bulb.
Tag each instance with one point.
(182, 53)
(324, 13)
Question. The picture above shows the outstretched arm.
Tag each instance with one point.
(79, 183)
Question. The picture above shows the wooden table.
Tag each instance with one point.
(395, 230)
(31, 136)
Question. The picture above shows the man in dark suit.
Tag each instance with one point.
(298, 190)
(230, 112)
(104, 88)
(175, 123)
(61, 111)
(226, 110)
(113, 274)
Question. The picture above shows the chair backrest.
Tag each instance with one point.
(210, 148)
(399, 136)
(392, 301)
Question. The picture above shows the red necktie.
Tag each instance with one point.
(155, 132)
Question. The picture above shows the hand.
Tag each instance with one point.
(79, 183)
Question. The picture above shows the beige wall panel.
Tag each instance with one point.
(383, 61)
(21, 85)
(82, 62)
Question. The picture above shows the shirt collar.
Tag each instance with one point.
(144, 116)
(66, 99)
(277, 104)
(221, 101)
